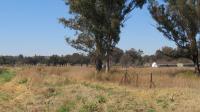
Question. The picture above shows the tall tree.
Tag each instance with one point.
(179, 21)
(98, 23)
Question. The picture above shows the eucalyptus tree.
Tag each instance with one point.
(98, 24)
(179, 21)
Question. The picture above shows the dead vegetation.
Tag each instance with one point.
(80, 89)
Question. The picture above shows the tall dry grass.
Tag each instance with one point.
(139, 77)
(51, 89)
(162, 77)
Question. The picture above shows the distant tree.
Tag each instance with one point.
(179, 21)
(20, 59)
(126, 60)
(166, 53)
(174, 53)
(148, 59)
(53, 60)
(136, 56)
(117, 53)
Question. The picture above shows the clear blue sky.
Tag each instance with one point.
(31, 27)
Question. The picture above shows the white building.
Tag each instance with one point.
(154, 65)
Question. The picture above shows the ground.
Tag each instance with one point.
(80, 89)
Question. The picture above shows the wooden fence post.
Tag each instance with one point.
(137, 77)
(152, 84)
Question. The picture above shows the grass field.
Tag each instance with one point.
(76, 89)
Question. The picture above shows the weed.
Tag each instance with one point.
(90, 107)
(63, 109)
(23, 81)
(67, 107)
(78, 97)
(151, 110)
(50, 92)
(162, 103)
(101, 99)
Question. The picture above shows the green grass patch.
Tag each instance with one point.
(63, 109)
(163, 103)
(68, 107)
(6, 76)
(4, 97)
(151, 110)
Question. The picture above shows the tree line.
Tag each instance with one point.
(53, 60)
(131, 57)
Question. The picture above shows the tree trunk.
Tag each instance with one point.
(198, 70)
(195, 55)
(98, 63)
(197, 66)
(108, 64)
(197, 60)
(196, 63)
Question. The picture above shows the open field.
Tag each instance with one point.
(76, 89)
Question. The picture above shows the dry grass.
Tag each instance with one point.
(76, 89)
(162, 77)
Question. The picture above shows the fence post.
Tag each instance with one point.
(151, 81)
(137, 77)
